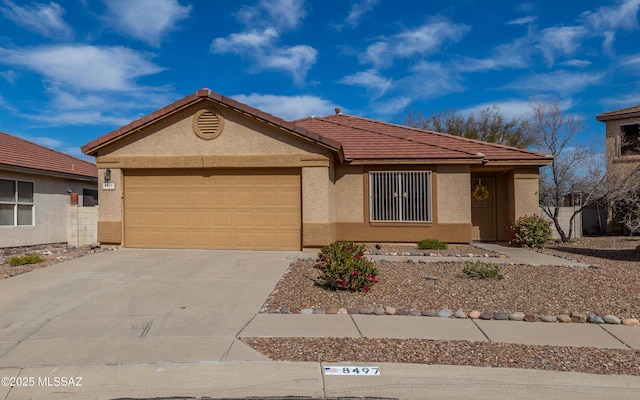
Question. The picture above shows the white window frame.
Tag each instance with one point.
(392, 199)
(16, 202)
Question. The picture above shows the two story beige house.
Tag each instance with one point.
(622, 146)
(209, 172)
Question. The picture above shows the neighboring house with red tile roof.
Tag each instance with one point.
(209, 172)
(35, 187)
(622, 144)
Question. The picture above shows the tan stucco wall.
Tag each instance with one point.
(454, 194)
(349, 194)
(526, 200)
(318, 212)
(352, 199)
(244, 143)
(174, 136)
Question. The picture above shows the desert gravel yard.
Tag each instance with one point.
(610, 285)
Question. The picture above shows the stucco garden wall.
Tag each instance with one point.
(82, 225)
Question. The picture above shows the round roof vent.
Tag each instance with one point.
(208, 123)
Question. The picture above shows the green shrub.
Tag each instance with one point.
(482, 270)
(344, 267)
(26, 259)
(432, 244)
(531, 231)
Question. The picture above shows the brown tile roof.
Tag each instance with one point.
(206, 94)
(628, 112)
(16, 152)
(351, 137)
(364, 139)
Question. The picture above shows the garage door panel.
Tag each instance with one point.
(244, 198)
(232, 209)
(220, 198)
(198, 219)
(178, 238)
(243, 220)
(200, 239)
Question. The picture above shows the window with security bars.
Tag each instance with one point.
(16, 203)
(400, 196)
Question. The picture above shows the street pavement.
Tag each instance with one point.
(151, 324)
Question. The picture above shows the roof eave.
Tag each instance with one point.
(56, 174)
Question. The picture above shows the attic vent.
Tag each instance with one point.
(208, 123)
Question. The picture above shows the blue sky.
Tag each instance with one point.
(73, 70)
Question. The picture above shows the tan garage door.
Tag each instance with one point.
(213, 209)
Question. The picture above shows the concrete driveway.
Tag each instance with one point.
(136, 306)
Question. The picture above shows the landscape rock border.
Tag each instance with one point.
(574, 317)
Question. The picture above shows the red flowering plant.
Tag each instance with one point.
(344, 267)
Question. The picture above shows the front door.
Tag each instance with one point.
(483, 208)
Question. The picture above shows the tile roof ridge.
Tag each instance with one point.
(455, 137)
(327, 119)
(48, 148)
(204, 95)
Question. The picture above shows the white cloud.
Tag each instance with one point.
(288, 107)
(297, 60)
(370, 80)
(280, 14)
(576, 63)
(89, 85)
(241, 43)
(621, 16)
(522, 21)
(621, 100)
(40, 18)
(560, 81)
(6, 105)
(145, 20)
(83, 66)
(562, 40)
(392, 106)
(425, 39)
(10, 75)
(516, 54)
(508, 108)
(358, 9)
(265, 23)
(631, 61)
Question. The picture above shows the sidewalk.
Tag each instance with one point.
(166, 361)
(435, 328)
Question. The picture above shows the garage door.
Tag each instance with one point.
(213, 209)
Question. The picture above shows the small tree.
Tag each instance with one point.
(489, 125)
(575, 169)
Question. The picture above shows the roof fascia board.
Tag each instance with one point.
(55, 174)
(419, 161)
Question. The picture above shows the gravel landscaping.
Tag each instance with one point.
(609, 286)
(52, 253)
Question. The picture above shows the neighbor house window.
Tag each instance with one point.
(16, 203)
(400, 196)
(89, 198)
(630, 140)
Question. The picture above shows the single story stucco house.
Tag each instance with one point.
(36, 187)
(209, 172)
